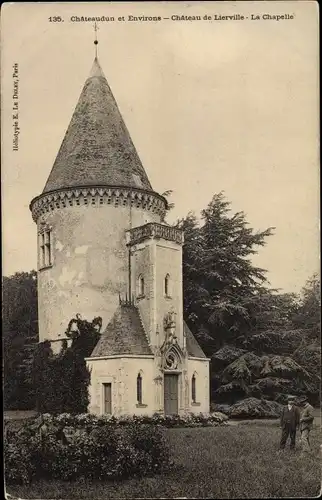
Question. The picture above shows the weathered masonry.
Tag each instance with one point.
(105, 250)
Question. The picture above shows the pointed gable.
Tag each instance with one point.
(97, 148)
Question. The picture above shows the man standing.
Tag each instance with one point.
(290, 420)
(306, 424)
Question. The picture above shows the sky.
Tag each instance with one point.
(211, 106)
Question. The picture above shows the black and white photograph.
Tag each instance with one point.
(161, 250)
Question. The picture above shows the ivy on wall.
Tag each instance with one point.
(61, 380)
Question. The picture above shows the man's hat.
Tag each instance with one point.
(290, 398)
(304, 399)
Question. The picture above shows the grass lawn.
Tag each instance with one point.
(234, 461)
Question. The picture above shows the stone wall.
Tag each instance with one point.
(143, 264)
(90, 264)
(154, 260)
(199, 368)
(122, 374)
(169, 262)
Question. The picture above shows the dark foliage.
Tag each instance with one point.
(229, 306)
(61, 381)
(308, 315)
(220, 282)
(47, 449)
(20, 334)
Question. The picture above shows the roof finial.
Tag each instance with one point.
(95, 41)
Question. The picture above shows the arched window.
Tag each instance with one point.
(141, 286)
(139, 388)
(193, 388)
(167, 285)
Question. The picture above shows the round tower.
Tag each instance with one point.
(96, 191)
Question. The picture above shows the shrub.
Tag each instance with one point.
(86, 422)
(150, 442)
(18, 467)
(60, 381)
(88, 446)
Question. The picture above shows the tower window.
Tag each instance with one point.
(193, 388)
(139, 388)
(45, 248)
(141, 286)
(167, 285)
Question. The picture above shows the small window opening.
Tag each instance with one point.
(45, 248)
(193, 389)
(139, 388)
(167, 285)
(141, 286)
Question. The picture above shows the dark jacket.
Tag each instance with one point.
(307, 417)
(290, 417)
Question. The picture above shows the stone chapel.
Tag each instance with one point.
(105, 250)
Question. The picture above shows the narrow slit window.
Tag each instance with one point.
(42, 250)
(48, 247)
(167, 285)
(141, 286)
(193, 388)
(139, 388)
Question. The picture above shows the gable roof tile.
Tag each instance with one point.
(123, 335)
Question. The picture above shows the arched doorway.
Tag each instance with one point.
(172, 368)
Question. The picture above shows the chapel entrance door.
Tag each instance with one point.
(107, 399)
(170, 394)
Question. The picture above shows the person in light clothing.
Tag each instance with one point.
(306, 424)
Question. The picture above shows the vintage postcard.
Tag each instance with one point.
(160, 242)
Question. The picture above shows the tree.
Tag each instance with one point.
(247, 328)
(61, 381)
(169, 206)
(308, 316)
(308, 352)
(219, 277)
(274, 359)
(20, 328)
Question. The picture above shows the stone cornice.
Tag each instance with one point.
(97, 196)
(154, 230)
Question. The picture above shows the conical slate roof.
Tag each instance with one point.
(97, 148)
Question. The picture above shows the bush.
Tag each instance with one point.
(85, 446)
(87, 421)
(255, 408)
(17, 461)
(69, 447)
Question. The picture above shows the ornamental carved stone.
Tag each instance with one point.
(97, 196)
(157, 231)
(171, 353)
